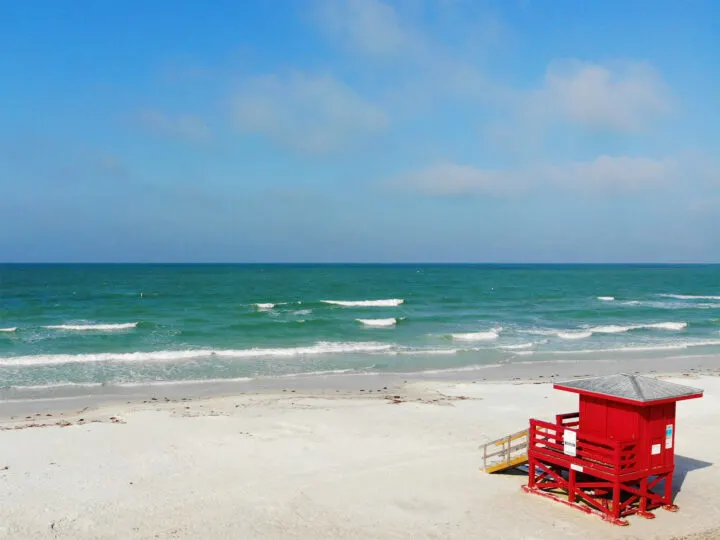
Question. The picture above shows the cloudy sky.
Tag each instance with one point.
(360, 130)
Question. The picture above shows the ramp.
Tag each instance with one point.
(506, 453)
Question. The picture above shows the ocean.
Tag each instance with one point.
(165, 324)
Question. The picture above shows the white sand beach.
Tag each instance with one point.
(319, 465)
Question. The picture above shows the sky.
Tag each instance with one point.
(360, 131)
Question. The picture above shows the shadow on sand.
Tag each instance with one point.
(684, 465)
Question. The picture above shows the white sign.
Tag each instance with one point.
(668, 436)
(576, 467)
(656, 448)
(570, 442)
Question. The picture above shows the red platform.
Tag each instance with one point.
(615, 457)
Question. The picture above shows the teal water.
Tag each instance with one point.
(132, 324)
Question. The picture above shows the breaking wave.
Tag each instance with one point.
(171, 356)
(12, 329)
(478, 336)
(691, 296)
(606, 298)
(379, 323)
(391, 302)
(98, 327)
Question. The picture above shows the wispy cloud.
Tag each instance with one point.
(416, 67)
(304, 112)
(185, 127)
(603, 175)
(368, 27)
(625, 96)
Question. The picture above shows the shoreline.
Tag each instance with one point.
(16, 401)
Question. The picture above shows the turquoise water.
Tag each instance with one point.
(131, 324)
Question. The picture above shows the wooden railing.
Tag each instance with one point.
(571, 420)
(592, 452)
(506, 452)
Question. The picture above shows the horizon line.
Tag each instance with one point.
(373, 263)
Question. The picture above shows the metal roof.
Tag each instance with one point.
(631, 387)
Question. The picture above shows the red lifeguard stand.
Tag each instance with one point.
(608, 457)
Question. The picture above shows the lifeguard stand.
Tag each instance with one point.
(610, 456)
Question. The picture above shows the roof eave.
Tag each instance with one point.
(626, 401)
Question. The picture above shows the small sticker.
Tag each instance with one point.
(570, 442)
(656, 448)
(668, 443)
(668, 431)
(576, 467)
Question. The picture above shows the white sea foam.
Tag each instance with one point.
(303, 312)
(574, 335)
(391, 302)
(429, 352)
(517, 346)
(691, 296)
(586, 332)
(97, 327)
(606, 298)
(378, 323)
(185, 382)
(615, 329)
(12, 329)
(264, 307)
(645, 348)
(478, 336)
(612, 329)
(171, 356)
(673, 304)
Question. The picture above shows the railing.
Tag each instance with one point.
(571, 420)
(506, 452)
(592, 452)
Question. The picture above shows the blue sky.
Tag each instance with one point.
(360, 130)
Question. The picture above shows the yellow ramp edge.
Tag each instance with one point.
(505, 453)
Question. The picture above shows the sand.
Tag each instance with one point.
(319, 465)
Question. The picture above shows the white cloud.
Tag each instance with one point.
(366, 26)
(308, 113)
(451, 179)
(417, 68)
(605, 174)
(622, 96)
(617, 174)
(185, 126)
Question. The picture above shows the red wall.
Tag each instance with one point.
(621, 422)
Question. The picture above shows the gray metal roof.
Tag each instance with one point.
(632, 387)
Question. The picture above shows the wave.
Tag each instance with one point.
(672, 305)
(303, 312)
(586, 332)
(644, 348)
(478, 336)
(574, 335)
(430, 352)
(264, 307)
(99, 327)
(12, 329)
(521, 345)
(391, 302)
(378, 323)
(614, 329)
(606, 298)
(691, 296)
(175, 355)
